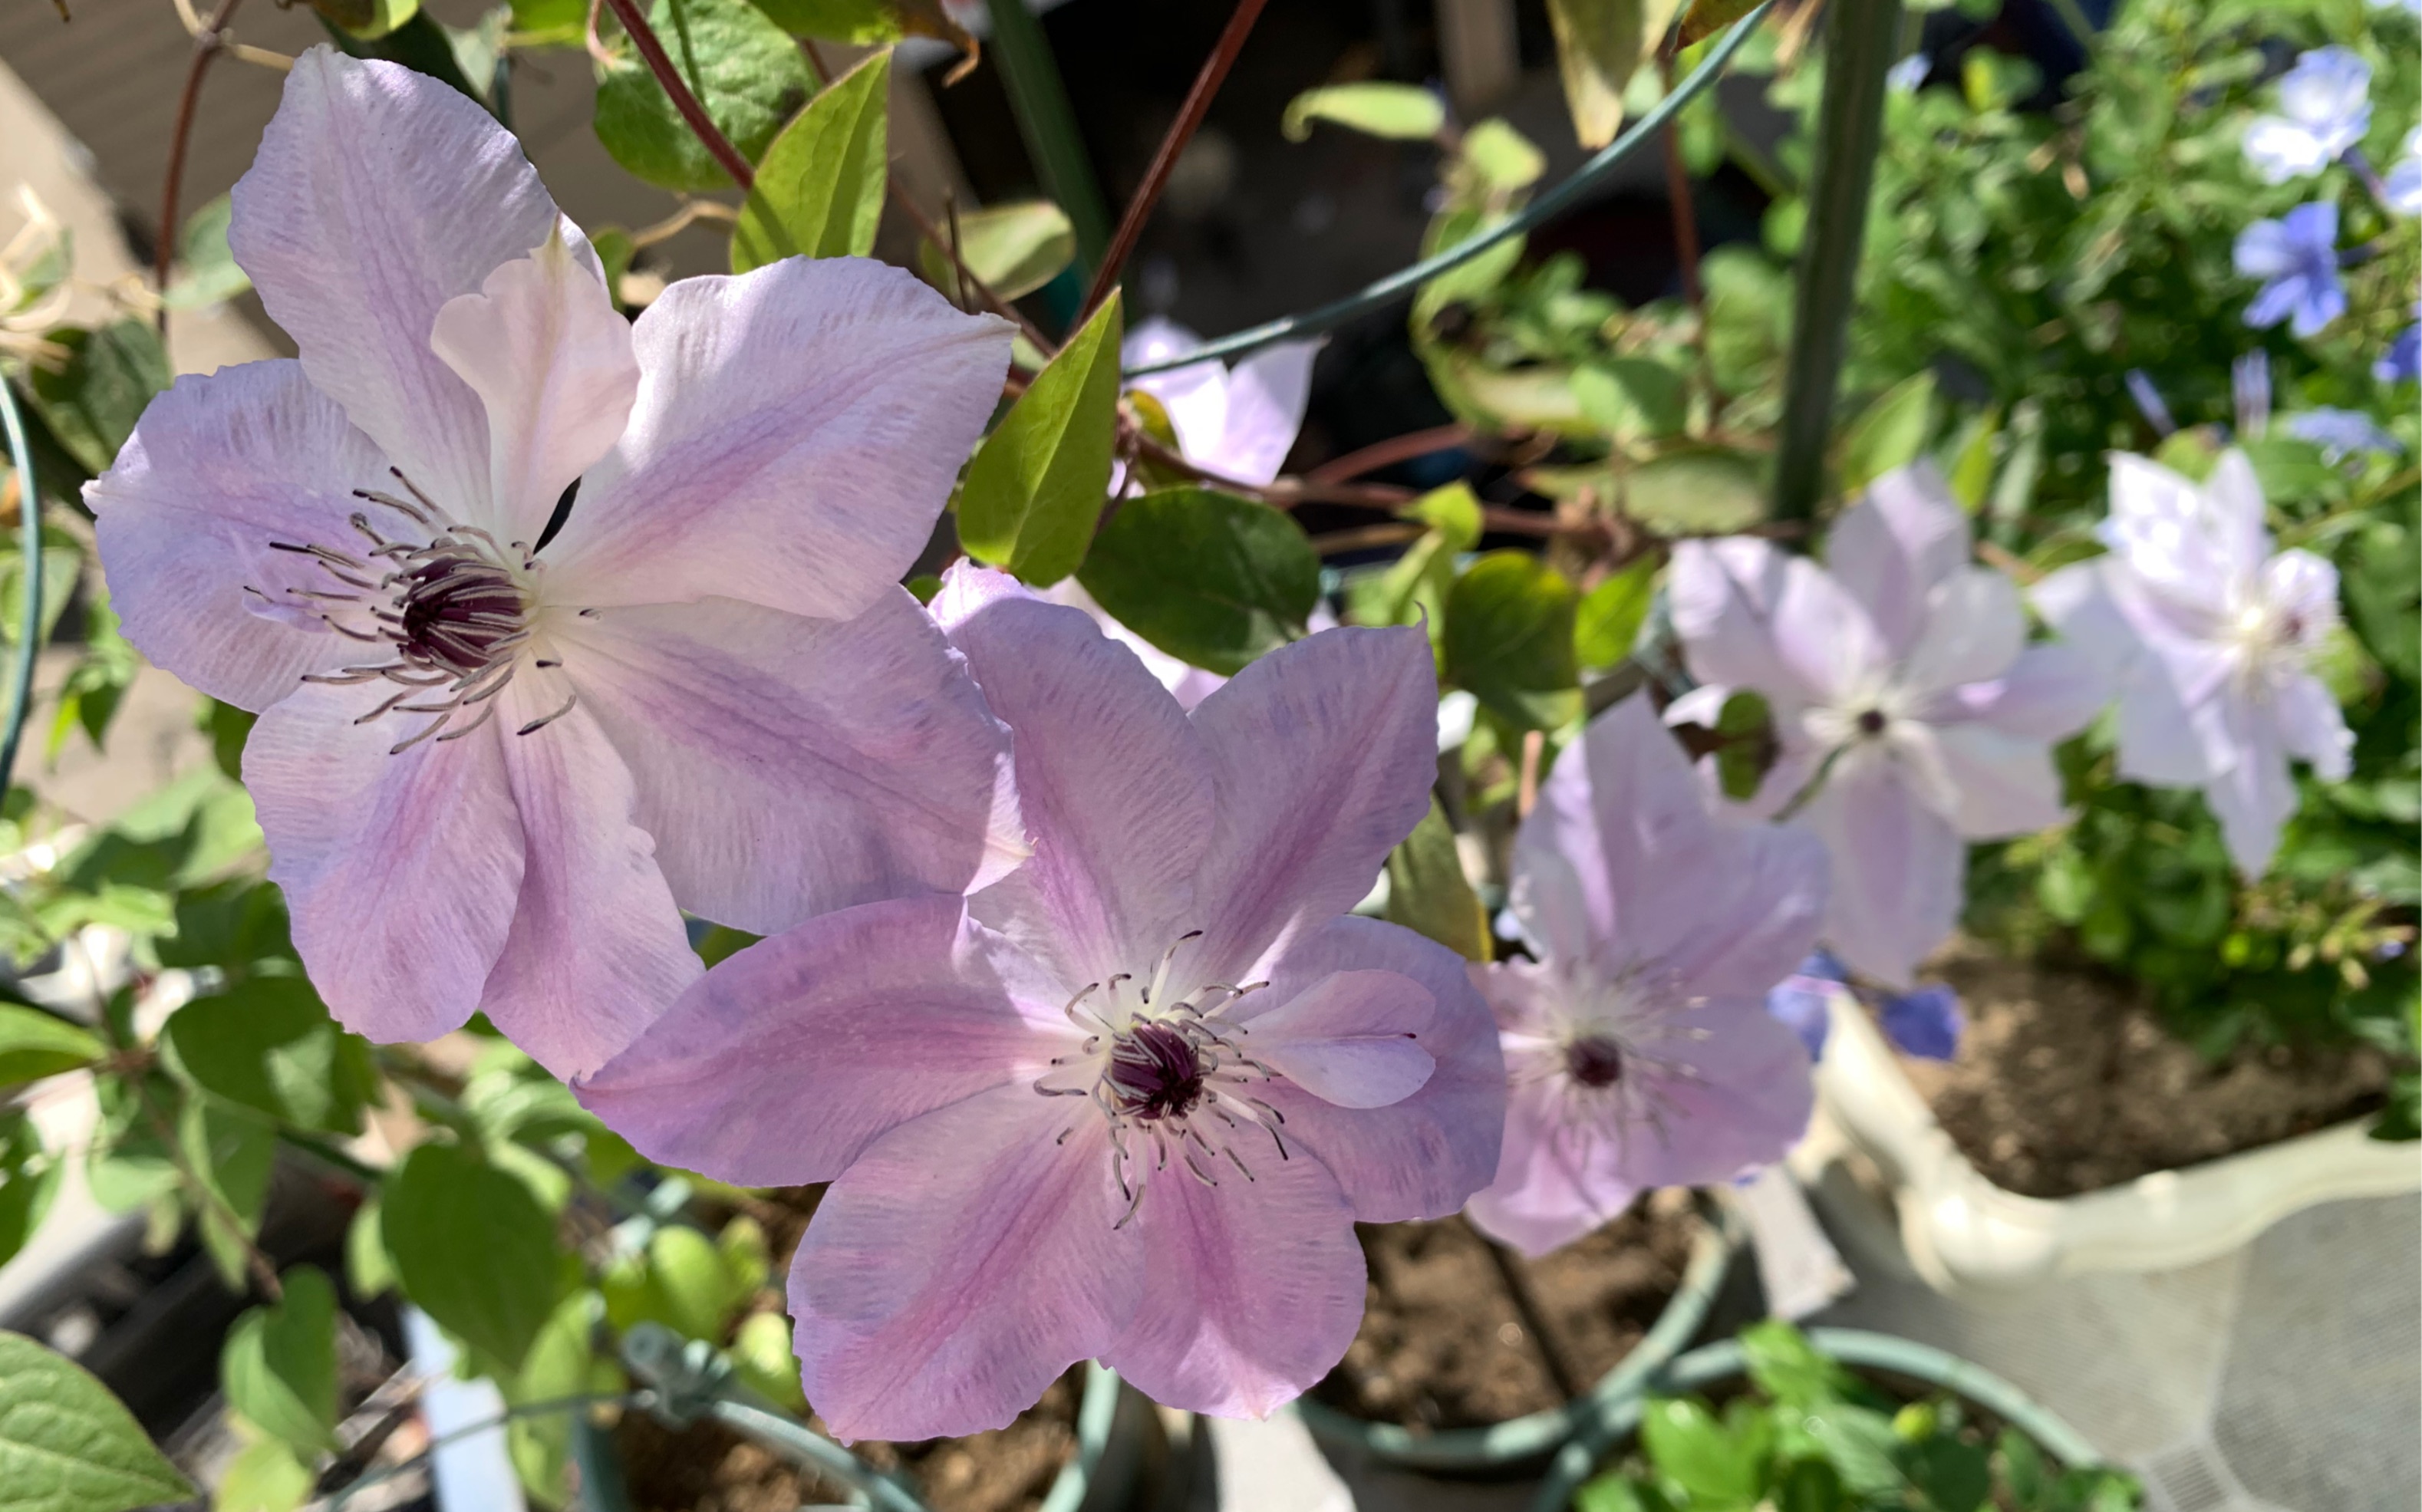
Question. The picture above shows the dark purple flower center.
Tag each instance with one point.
(1595, 1062)
(458, 611)
(1155, 1073)
(1871, 722)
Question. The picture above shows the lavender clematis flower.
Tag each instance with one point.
(2325, 104)
(1232, 1069)
(2341, 433)
(489, 762)
(1239, 422)
(1902, 687)
(2297, 259)
(2209, 634)
(1639, 1050)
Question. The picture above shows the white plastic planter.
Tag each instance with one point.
(1965, 1235)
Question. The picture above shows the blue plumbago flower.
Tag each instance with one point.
(2341, 433)
(2297, 258)
(2401, 190)
(2326, 107)
(2402, 362)
(1908, 74)
(1925, 1023)
(2150, 403)
(1804, 999)
(2249, 385)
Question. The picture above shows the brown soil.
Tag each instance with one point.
(2068, 1082)
(1443, 1342)
(706, 1468)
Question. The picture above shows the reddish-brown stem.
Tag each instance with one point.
(1388, 452)
(1363, 537)
(949, 248)
(677, 90)
(206, 47)
(1181, 131)
(1685, 214)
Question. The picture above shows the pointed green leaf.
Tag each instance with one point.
(29, 1178)
(1208, 577)
(1508, 639)
(473, 1248)
(278, 1366)
(1890, 434)
(745, 69)
(1610, 614)
(1404, 112)
(67, 1444)
(265, 1478)
(269, 1043)
(367, 1270)
(36, 1044)
(206, 270)
(1015, 249)
(1037, 483)
(1598, 43)
(1428, 893)
(91, 400)
(760, 1355)
(1695, 491)
(819, 193)
(232, 1150)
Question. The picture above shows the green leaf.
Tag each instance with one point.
(557, 1367)
(1598, 43)
(35, 1044)
(745, 69)
(367, 19)
(1609, 619)
(1697, 1452)
(67, 1444)
(1428, 893)
(473, 1248)
(1695, 491)
(691, 1277)
(1036, 485)
(62, 564)
(29, 1178)
(1208, 577)
(1950, 1475)
(1508, 639)
(1015, 249)
(269, 1045)
(233, 1150)
(278, 1366)
(1890, 434)
(1632, 399)
(1416, 584)
(265, 1478)
(1810, 1486)
(206, 270)
(93, 400)
(1787, 1368)
(760, 1355)
(1705, 17)
(1970, 472)
(550, 24)
(866, 23)
(1401, 112)
(368, 1272)
(819, 193)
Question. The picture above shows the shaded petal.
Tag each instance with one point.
(218, 467)
(1973, 629)
(2255, 796)
(550, 357)
(1352, 1039)
(2005, 784)
(1738, 1098)
(1323, 753)
(1723, 595)
(1419, 1158)
(2053, 691)
(1267, 395)
(378, 194)
(1195, 396)
(788, 1059)
(1556, 1181)
(2158, 742)
(1256, 1289)
(2310, 726)
(1897, 867)
(960, 1266)
(789, 767)
(1188, 684)
(797, 431)
(1894, 545)
(1113, 782)
(401, 870)
(597, 948)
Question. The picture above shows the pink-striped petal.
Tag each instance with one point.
(1892, 548)
(1352, 1038)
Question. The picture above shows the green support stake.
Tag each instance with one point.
(1858, 46)
(1047, 124)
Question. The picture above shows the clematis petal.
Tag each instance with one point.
(2255, 796)
(1891, 549)
(1256, 1289)
(2238, 519)
(1267, 395)
(2310, 726)
(1188, 684)
(798, 430)
(597, 948)
(401, 870)
(1352, 1039)
(2053, 691)
(1194, 396)
(959, 1266)
(217, 469)
(550, 357)
(1323, 753)
(789, 1058)
(2005, 784)
(378, 194)
(1897, 867)
(1722, 596)
(1824, 638)
(1113, 782)
(2158, 742)
(1740, 1098)
(789, 766)
(1972, 630)
(1556, 1181)
(1422, 1157)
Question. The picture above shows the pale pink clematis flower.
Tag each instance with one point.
(1901, 686)
(1239, 422)
(1639, 1049)
(489, 762)
(1128, 1102)
(2210, 635)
